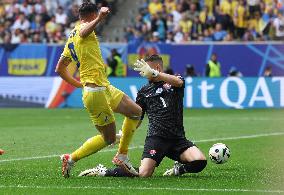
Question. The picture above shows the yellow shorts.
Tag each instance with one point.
(100, 103)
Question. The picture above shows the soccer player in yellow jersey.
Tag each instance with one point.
(99, 97)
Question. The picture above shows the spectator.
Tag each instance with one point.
(178, 36)
(196, 30)
(184, 5)
(128, 34)
(210, 4)
(118, 69)
(257, 25)
(240, 19)
(21, 23)
(38, 6)
(25, 8)
(226, 7)
(170, 5)
(254, 6)
(213, 68)
(7, 38)
(73, 14)
(36, 38)
(160, 27)
(177, 14)
(268, 71)
(45, 16)
(37, 23)
(207, 36)
(16, 36)
(205, 18)
(155, 37)
(170, 37)
(170, 23)
(221, 18)
(189, 71)
(186, 37)
(278, 24)
(51, 26)
(229, 37)
(60, 16)
(155, 6)
(185, 23)
(219, 33)
(2, 33)
(192, 13)
(234, 72)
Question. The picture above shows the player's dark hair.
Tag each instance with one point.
(87, 8)
(154, 58)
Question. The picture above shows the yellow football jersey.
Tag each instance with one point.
(86, 53)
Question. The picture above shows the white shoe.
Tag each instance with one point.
(99, 170)
(67, 164)
(173, 171)
(123, 161)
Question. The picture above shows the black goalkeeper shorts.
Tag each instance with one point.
(157, 148)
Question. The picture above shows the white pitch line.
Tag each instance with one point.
(145, 188)
(241, 137)
(139, 147)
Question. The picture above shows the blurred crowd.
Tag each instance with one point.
(181, 21)
(38, 21)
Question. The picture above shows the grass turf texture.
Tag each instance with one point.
(256, 163)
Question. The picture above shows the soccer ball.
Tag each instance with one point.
(219, 153)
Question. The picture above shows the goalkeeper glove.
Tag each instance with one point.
(144, 69)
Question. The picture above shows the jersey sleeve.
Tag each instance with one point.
(141, 103)
(66, 52)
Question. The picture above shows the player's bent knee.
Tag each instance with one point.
(146, 171)
(200, 156)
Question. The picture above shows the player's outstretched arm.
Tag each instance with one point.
(61, 69)
(150, 73)
(170, 79)
(87, 29)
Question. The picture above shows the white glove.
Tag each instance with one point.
(144, 69)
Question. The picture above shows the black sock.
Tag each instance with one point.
(195, 166)
(117, 172)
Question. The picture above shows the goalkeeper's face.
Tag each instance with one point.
(156, 65)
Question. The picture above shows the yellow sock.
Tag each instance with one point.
(91, 146)
(128, 128)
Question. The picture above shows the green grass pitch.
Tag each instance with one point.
(33, 139)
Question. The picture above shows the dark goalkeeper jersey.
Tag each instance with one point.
(163, 104)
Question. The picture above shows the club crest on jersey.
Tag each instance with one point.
(153, 152)
(167, 86)
(159, 90)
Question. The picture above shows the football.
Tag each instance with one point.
(219, 153)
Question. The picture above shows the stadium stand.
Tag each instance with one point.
(181, 21)
(170, 21)
(40, 21)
